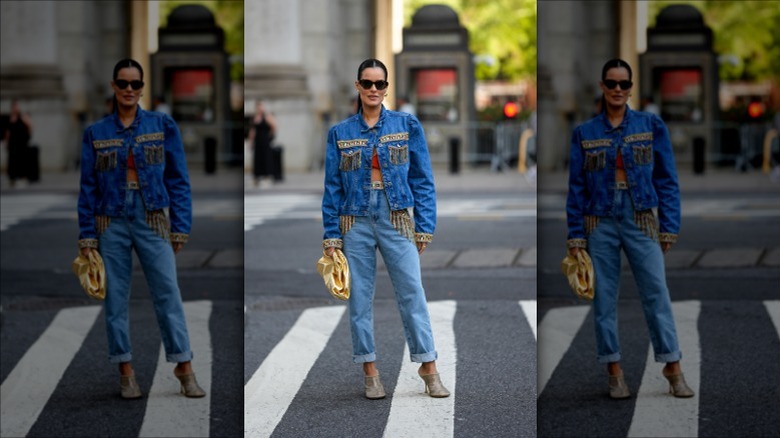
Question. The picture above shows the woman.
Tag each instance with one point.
(132, 167)
(376, 168)
(260, 135)
(16, 138)
(621, 167)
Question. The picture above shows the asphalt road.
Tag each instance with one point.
(299, 377)
(723, 276)
(56, 379)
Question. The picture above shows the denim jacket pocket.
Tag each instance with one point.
(643, 154)
(595, 161)
(105, 161)
(154, 154)
(399, 154)
(350, 160)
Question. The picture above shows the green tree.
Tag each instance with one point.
(502, 34)
(746, 33)
(229, 15)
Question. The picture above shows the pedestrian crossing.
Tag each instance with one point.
(16, 208)
(298, 354)
(566, 340)
(26, 392)
(259, 208)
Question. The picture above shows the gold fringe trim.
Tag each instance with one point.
(591, 222)
(101, 224)
(402, 222)
(345, 223)
(645, 221)
(158, 223)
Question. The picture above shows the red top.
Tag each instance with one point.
(130, 160)
(375, 161)
(619, 161)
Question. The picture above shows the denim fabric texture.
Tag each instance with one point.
(618, 231)
(403, 158)
(643, 141)
(403, 265)
(159, 159)
(127, 232)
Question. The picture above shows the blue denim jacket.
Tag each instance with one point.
(159, 161)
(406, 170)
(650, 172)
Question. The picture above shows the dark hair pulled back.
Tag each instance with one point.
(368, 63)
(613, 63)
(125, 63)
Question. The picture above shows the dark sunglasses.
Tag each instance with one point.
(122, 84)
(611, 84)
(366, 84)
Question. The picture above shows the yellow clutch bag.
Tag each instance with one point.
(335, 273)
(579, 272)
(91, 274)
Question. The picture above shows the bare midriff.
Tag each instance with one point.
(132, 174)
(620, 172)
(376, 174)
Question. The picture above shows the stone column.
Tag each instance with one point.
(274, 72)
(29, 72)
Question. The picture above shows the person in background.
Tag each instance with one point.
(17, 138)
(260, 135)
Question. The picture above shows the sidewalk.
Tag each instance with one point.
(714, 181)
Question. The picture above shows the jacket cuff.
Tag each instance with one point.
(423, 237)
(337, 243)
(88, 243)
(667, 237)
(180, 237)
(577, 243)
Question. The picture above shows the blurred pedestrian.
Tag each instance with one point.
(17, 138)
(388, 149)
(161, 106)
(404, 106)
(622, 166)
(651, 107)
(260, 136)
(132, 169)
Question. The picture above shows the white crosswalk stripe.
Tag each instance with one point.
(16, 208)
(556, 333)
(261, 208)
(29, 386)
(31, 383)
(412, 414)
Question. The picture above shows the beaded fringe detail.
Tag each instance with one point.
(402, 222)
(345, 223)
(158, 223)
(101, 224)
(591, 222)
(645, 221)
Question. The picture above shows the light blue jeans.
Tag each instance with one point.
(403, 264)
(613, 233)
(125, 233)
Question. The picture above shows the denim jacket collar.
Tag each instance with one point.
(364, 126)
(120, 127)
(608, 128)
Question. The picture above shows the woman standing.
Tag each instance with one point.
(621, 167)
(16, 138)
(260, 135)
(376, 168)
(132, 167)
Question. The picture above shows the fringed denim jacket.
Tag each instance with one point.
(400, 144)
(159, 160)
(650, 171)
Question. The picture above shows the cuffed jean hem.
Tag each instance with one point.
(668, 357)
(363, 358)
(614, 357)
(179, 357)
(127, 357)
(424, 357)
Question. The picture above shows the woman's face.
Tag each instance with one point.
(617, 96)
(372, 97)
(127, 96)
